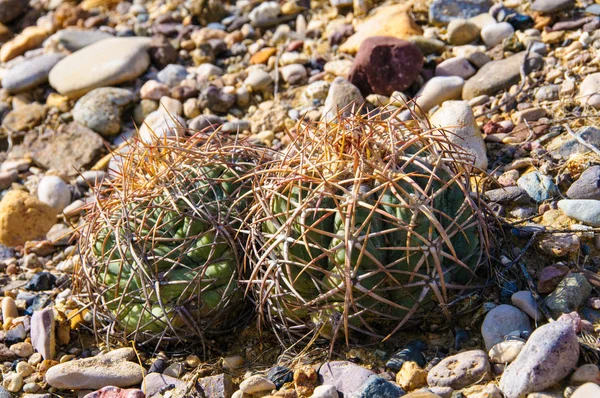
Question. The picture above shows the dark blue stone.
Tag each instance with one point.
(462, 337)
(41, 281)
(520, 21)
(377, 387)
(158, 366)
(38, 303)
(413, 352)
(280, 375)
(508, 289)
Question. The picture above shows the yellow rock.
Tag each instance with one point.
(61, 102)
(263, 55)
(28, 39)
(392, 21)
(411, 376)
(23, 217)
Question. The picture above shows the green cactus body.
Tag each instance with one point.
(390, 224)
(166, 259)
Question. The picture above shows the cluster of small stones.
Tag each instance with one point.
(516, 83)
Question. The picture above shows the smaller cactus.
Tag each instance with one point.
(160, 250)
(361, 226)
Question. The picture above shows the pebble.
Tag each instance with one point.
(549, 356)
(588, 372)
(547, 93)
(105, 63)
(460, 370)
(24, 118)
(411, 376)
(588, 91)
(385, 64)
(462, 31)
(378, 387)
(305, 380)
(586, 211)
(264, 13)
(30, 73)
(112, 368)
(525, 301)
(155, 383)
(587, 390)
(325, 391)
(499, 75)
(43, 336)
(492, 35)
(412, 353)
(30, 38)
(530, 114)
(501, 321)
(508, 195)
(587, 185)
(437, 90)
(13, 382)
(24, 369)
(101, 109)
(154, 90)
(9, 308)
(441, 12)
(74, 39)
(392, 20)
(293, 73)
(23, 217)
(570, 294)
(54, 192)
(258, 80)
(468, 137)
(457, 66)
(552, 6)
(11, 9)
(255, 384)
(172, 75)
(22, 349)
(342, 99)
(347, 377)
(116, 392)
(506, 351)
(280, 375)
(538, 186)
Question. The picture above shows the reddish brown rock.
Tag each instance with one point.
(385, 64)
(550, 277)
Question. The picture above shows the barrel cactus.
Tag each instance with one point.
(160, 247)
(362, 226)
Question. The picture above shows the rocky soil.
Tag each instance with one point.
(517, 83)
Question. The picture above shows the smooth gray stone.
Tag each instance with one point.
(76, 39)
(30, 73)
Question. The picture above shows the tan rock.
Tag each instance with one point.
(110, 369)
(411, 376)
(23, 217)
(28, 39)
(391, 20)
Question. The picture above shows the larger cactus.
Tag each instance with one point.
(161, 252)
(361, 226)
